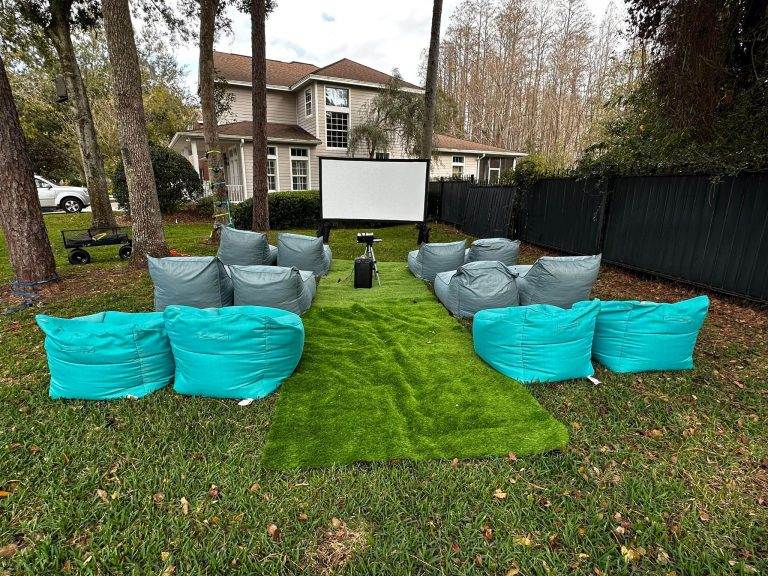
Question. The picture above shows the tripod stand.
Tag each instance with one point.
(370, 254)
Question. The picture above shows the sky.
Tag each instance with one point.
(383, 35)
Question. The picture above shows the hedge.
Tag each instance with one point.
(300, 209)
(175, 178)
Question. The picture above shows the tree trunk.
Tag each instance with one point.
(430, 89)
(25, 236)
(259, 96)
(93, 164)
(148, 237)
(208, 11)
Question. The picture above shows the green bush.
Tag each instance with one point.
(175, 178)
(300, 209)
(204, 206)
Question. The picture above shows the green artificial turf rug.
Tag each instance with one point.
(388, 374)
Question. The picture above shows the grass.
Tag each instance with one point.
(664, 473)
(387, 374)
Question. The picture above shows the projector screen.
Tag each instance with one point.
(362, 189)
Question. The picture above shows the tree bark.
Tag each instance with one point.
(59, 32)
(148, 236)
(259, 98)
(430, 89)
(216, 180)
(22, 220)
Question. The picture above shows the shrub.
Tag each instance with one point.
(300, 209)
(204, 206)
(175, 178)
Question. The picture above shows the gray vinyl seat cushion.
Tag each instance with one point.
(245, 248)
(477, 286)
(431, 259)
(198, 281)
(273, 286)
(303, 252)
(558, 280)
(501, 250)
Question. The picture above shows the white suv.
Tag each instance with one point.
(71, 199)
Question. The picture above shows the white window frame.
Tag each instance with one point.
(277, 169)
(455, 163)
(305, 159)
(497, 170)
(340, 109)
(308, 103)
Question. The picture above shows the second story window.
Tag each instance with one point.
(336, 116)
(308, 102)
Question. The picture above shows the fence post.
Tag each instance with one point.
(604, 213)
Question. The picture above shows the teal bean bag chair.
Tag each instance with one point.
(632, 336)
(303, 253)
(476, 286)
(108, 355)
(236, 352)
(245, 248)
(537, 343)
(274, 286)
(431, 259)
(557, 280)
(501, 250)
(199, 281)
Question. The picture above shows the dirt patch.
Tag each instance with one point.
(336, 546)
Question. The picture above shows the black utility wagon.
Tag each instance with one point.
(77, 240)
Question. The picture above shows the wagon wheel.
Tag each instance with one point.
(125, 251)
(79, 256)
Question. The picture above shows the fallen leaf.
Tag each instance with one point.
(254, 487)
(336, 523)
(158, 498)
(169, 570)
(662, 557)
(499, 494)
(512, 457)
(273, 531)
(487, 533)
(654, 433)
(619, 530)
(34, 449)
(513, 571)
(631, 554)
(184, 506)
(704, 516)
(102, 494)
(214, 493)
(164, 556)
(8, 550)
(576, 425)
(303, 517)
(4, 494)
(455, 548)
(455, 463)
(523, 541)
(478, 560)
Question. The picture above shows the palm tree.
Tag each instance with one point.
(22, 221)
(430, 89)
(148, 236)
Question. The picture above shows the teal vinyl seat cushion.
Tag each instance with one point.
(632, 336)
(235, 352)
(537, 343)
(108, 355)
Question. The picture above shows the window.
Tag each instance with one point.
(337, 97)
(494, 170)
(271, 168)
(299, 169)
(381, 156)
(457, 165)
(336, 129)
(308, 102)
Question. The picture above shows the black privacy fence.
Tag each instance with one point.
(696, 229)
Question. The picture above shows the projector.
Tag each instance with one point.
(367, 238)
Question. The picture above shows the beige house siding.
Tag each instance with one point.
(308, 123)
(442, 166)
(281, 106)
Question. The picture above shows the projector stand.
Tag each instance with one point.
(369, 254)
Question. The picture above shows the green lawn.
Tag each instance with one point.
(664, 473)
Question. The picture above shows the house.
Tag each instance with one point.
(310, 111)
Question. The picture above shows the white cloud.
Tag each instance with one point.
(387, 35)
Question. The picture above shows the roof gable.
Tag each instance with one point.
(351, 70)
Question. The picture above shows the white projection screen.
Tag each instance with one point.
(384, 190)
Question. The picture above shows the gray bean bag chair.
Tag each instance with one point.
(431, 259)
(501, 250)
(245, 248)
(477, 286)
(199, 281)
(558, 280)
(273, 286)
(304, 253)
